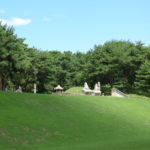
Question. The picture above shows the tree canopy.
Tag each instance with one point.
(122, 64)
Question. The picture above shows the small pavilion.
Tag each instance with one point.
(58, 89)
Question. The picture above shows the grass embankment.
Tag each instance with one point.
(75, 90)
(56, 122)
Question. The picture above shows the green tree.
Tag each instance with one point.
(13, 58)
(143, 77)
(114, 63)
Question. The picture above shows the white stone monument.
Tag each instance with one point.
(19, 90)
(99, 85)
(35, 90)
(97, 89)
(86, 89)
(115, 92)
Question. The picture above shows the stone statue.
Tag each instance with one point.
(86, 89)
(19, 90)
(97, 88)
(99, 85)
(86, 86)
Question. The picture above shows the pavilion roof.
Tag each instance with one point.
(58, 87)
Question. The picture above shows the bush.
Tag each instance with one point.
(106, 89)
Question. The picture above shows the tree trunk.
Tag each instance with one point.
(1, 83)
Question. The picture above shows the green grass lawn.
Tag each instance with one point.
(75, 90)
(57, 122)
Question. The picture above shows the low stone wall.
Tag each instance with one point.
(72, 94)
(68, 93)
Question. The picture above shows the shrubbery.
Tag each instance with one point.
(122, 64)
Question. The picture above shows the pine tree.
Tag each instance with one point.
(143, 77)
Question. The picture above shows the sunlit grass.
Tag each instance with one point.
(58, 122)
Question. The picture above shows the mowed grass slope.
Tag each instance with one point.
(55, 122)
(75, 90)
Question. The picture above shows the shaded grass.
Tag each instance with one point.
(59, 122)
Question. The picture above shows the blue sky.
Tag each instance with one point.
(77, 25)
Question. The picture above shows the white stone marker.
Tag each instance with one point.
(34, 90)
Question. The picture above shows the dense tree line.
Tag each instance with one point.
(122, 64)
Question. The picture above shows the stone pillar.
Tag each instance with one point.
(34, 90)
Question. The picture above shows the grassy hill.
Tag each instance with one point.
(75, 90)
(57, 122)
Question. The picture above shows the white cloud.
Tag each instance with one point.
(16, 21)
(2, 11)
